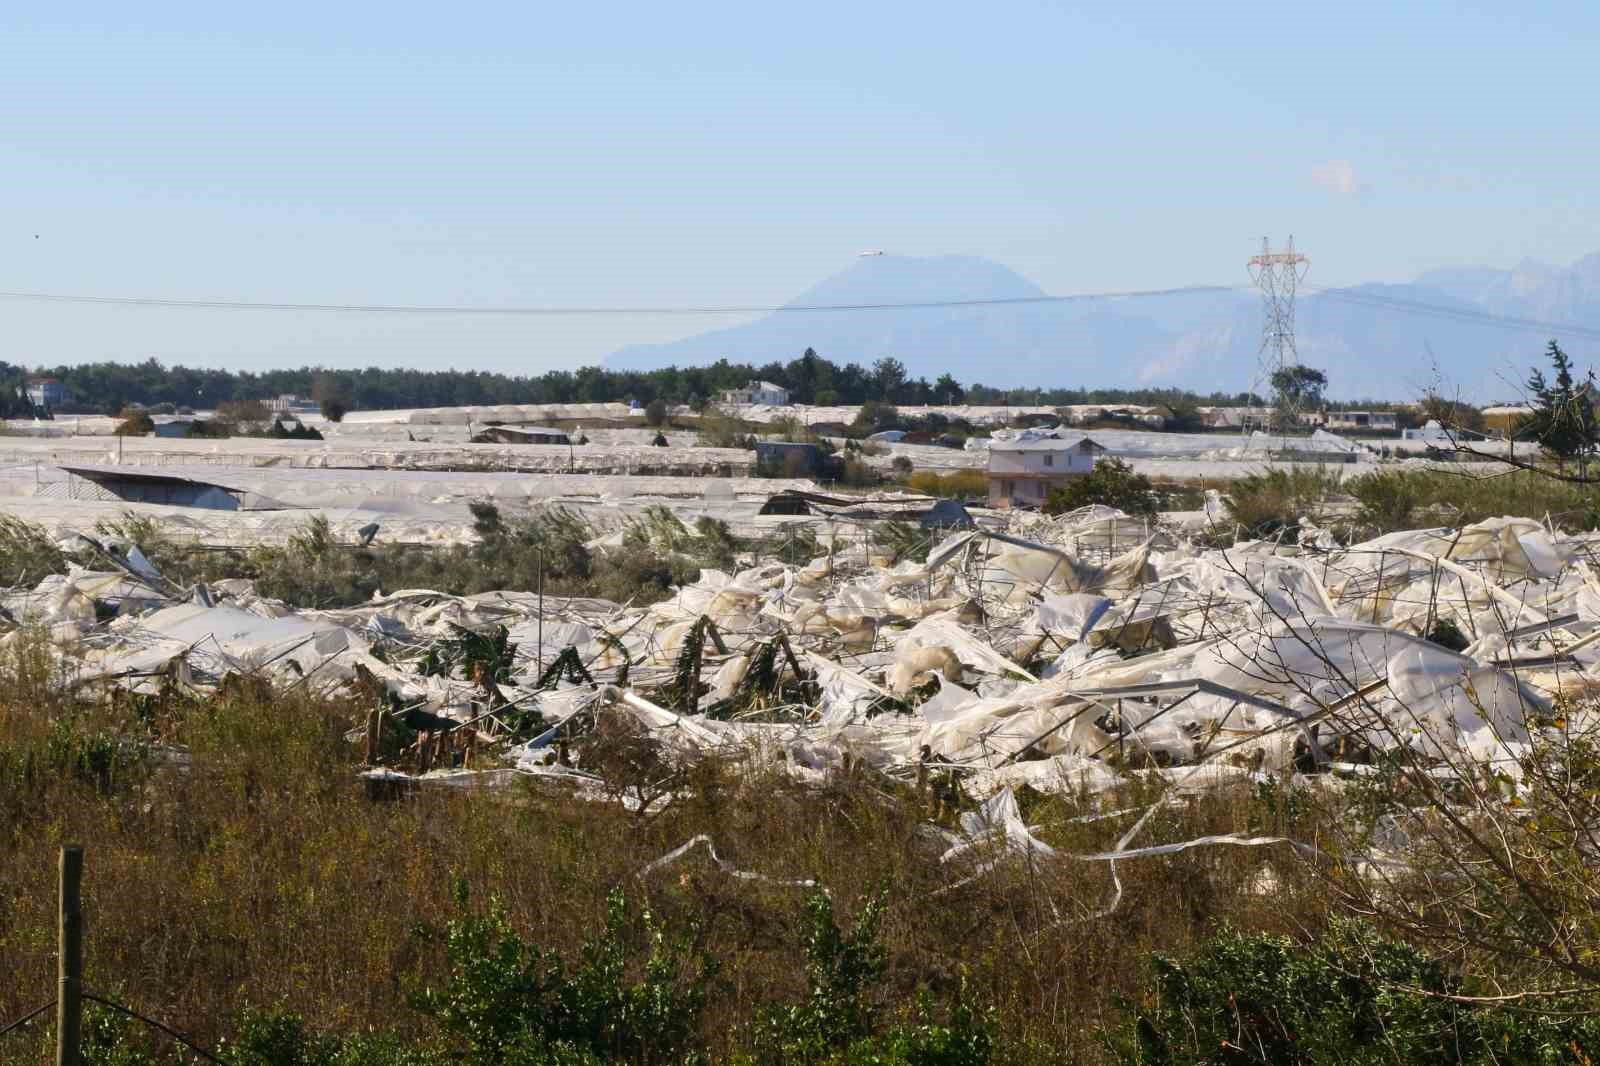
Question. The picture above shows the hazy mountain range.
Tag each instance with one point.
(1206, 341)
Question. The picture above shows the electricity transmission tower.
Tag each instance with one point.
(1278, 275)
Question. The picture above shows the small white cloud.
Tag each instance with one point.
(1337, 175)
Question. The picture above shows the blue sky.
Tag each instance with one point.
(737, 153)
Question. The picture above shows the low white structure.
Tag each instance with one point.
(1245, 418)
(1023, 469)
(1374, 420)
(288, 403)
(758, 392)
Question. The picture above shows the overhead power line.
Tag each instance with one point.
(1462, 314)
(469, 309)
(1374, 300)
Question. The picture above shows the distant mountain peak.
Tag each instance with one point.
(1203, 341)
(896, 279)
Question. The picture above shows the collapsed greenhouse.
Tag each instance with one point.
(1025, 654)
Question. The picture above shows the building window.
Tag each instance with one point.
(1007, 488)
(1049, 460)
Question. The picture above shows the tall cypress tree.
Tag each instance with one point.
(1563, 419)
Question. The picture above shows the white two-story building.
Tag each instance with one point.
(757, 392)
(1022, 471)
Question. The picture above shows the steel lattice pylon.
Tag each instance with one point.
(1278, 276)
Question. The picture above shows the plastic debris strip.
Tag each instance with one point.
(726, 867)
(1071, 655)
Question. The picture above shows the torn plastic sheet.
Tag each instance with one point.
(726, 867)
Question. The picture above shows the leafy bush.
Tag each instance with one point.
(27, 553)
(1265, 503)
(1389, 499)
(134, 424)
(838, 1022)
(857, 474)
(1353, 997)
(1401, 499)
(236, 412)
(875, 416)
(1112, 482)
(958, 484)
(655, 413)
(508, 1001)
(902, 541)
(718, 430)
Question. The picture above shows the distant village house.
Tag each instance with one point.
(1024, 470)
(762, 392)
(46, 392)
(289, 403)
(1383, 421)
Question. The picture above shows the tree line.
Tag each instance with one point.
(109, 387)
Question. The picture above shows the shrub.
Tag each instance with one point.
(958, 484)
(875, 416)
(1401, 499)
(1389, 499)
(902, 465)
(509, 1001)
(837, 1022)
(902, 541)
(1112, 482)
(718, 430)
(1353, 997)
(334, 408)
(237, 411)
(135, 423)
(1275, 500)
(857, 474)
(27, 552)
(655, 413)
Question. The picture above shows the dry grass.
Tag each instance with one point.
(261, 875)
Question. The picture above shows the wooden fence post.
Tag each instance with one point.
(69, 999)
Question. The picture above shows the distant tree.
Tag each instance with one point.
(889, 377)
(1563, 419)
(1450, 414)
(243, 411)
(1297, 388)
(806, 375)
(486, 520)
(655, 412)
(1184, 414)
(333, 397)
(1113, 483)
(875, 416)
(948, 390)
